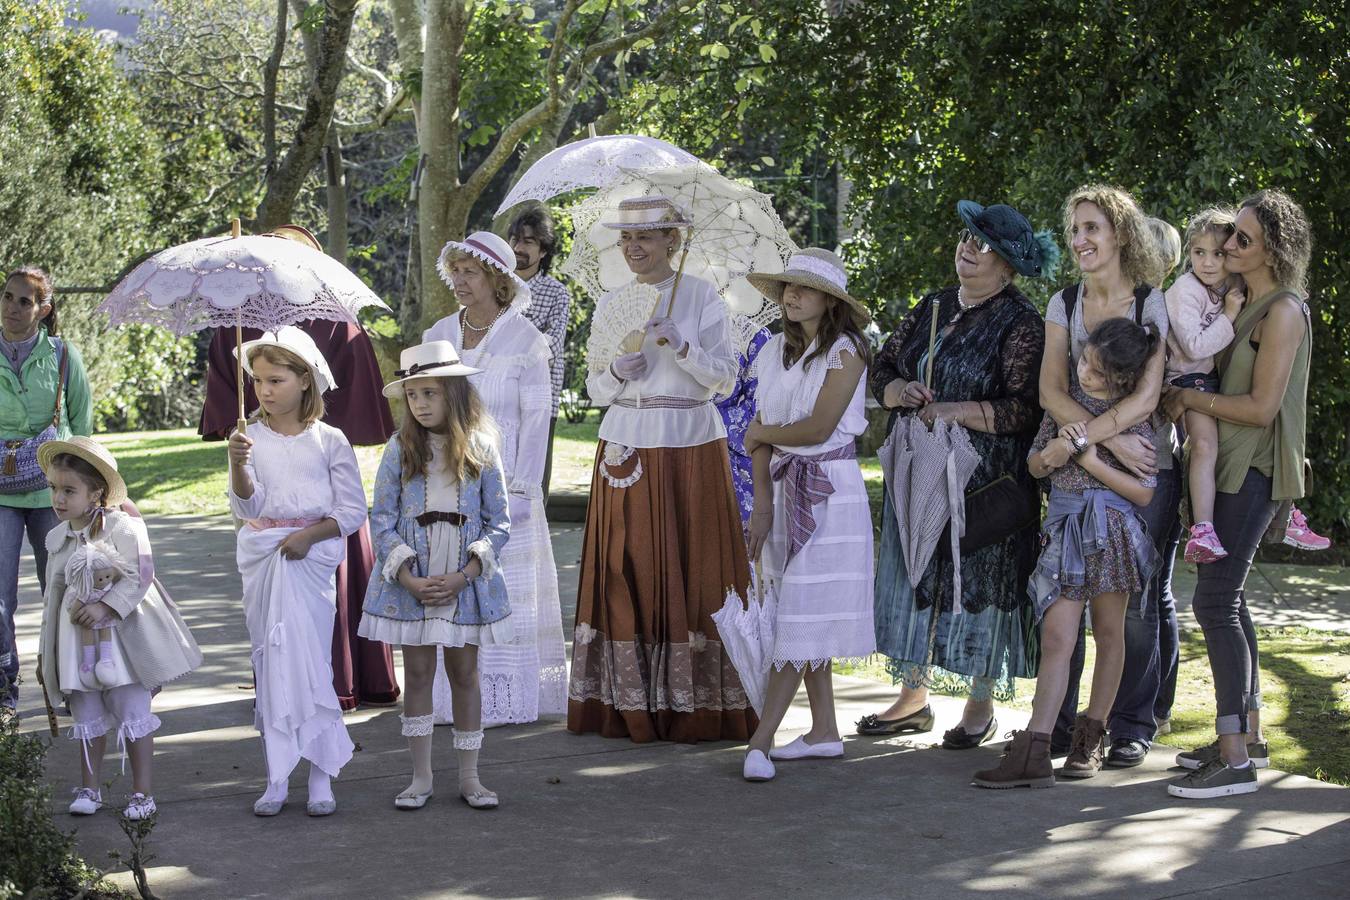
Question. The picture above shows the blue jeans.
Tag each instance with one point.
(14, 521)
(1150, 671)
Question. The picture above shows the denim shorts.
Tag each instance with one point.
(1200, 381)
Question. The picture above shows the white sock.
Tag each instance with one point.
(320, 785)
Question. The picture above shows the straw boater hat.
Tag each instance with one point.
(298, 233)
(94, 454)
(434, 359)
(813, 268)
(491, 250)
(299, 343)
(648, 214)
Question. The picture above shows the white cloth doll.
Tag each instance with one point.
(91, 572)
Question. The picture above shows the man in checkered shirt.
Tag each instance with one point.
(532, 239)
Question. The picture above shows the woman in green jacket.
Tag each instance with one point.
(29, 375)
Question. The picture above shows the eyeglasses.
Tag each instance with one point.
(967, 236)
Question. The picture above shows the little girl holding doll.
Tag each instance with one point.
(439, 522)
(295, 483)
(145, 643)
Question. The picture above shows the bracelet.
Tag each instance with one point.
(1211, 403)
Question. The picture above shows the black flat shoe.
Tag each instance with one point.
(915, 723)
(960, 739)
(1126, 753)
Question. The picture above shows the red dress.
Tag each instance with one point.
(363, 671)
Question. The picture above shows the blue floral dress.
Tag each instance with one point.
(738, 411)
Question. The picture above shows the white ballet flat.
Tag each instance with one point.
(800, 749)
(757, 767)
(266, 808)
(481, 799)
(412, 801)
(320, 808)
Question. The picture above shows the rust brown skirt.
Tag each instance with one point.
(658, 559)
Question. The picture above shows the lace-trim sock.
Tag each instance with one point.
(467, 744)
(419, 730)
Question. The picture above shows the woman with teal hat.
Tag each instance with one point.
(984, 340)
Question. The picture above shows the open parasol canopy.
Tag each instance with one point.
(263, 281)
(593, 163)
(735, 232)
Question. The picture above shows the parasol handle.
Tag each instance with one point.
(679, 273)
(236, 231)
(759, 581)
(932, 342)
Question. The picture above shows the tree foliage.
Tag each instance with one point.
(926, 103)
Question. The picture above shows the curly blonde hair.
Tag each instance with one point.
(1215, 221)
(1140, 257)
(1288, 236)
(503, 285)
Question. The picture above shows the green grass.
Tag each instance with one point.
(1305, 686)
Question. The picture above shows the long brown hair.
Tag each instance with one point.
(92, 478)
(466, 425)
(311, 402)
(838, 320)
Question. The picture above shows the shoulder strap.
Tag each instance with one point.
(1141, 295)
(1070, 301)
(1240, 333)
(60, 381)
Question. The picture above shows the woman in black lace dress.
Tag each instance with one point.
(985, 377)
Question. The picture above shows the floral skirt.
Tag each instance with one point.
(663, 546)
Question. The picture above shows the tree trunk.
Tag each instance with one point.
(336, 176)
(285, 182)
(440, 217)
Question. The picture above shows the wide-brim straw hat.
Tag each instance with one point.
(490, 250)
(93, 453)
(298, 233)
(814, 268)
(434, 359)
(649, 214)
(302, 345)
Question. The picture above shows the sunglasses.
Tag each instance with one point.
(1243, 240)
(967, 236)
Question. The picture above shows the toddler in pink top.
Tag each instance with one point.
(1202, 305)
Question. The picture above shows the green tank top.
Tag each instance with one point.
(1276, 450)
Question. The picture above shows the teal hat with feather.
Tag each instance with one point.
(1009, 234)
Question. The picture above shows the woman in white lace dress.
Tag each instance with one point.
(811, 519)
(527, 677)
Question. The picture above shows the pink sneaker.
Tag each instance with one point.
(1204, 546)
(1299, 535)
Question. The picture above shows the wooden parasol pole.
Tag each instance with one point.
(679, 273)
(236, 231)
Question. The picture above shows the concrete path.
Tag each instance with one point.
(585, 816)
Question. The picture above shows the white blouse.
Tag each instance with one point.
(516, 388)
(311, 475)
(708, 369)
(789, 395)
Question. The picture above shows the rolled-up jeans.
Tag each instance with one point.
(1142, 678)
(14, 522)
(1220, 601)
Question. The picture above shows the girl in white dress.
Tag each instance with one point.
(527, 677)
(295, 483)
(440, 524)
(811, 518)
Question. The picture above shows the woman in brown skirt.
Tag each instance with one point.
(663, 538)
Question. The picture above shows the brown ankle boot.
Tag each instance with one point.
(1087, 750)
(1025, 763)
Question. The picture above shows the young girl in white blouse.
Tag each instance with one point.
(811, 517)
(295, 483)
(440, 523)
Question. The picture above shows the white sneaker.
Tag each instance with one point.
(140, 807)
(87, 802)
(757, 767)
(800, 749)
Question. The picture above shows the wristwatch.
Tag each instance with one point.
(1079, 445)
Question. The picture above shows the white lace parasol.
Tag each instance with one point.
(736, 231)
(592, 163)
(617, 327)
(257, 281)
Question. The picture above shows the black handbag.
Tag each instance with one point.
(999, 510)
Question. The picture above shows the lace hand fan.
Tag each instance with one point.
(617, 328)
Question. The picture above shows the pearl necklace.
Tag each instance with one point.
(464, 318)
(961, 299)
